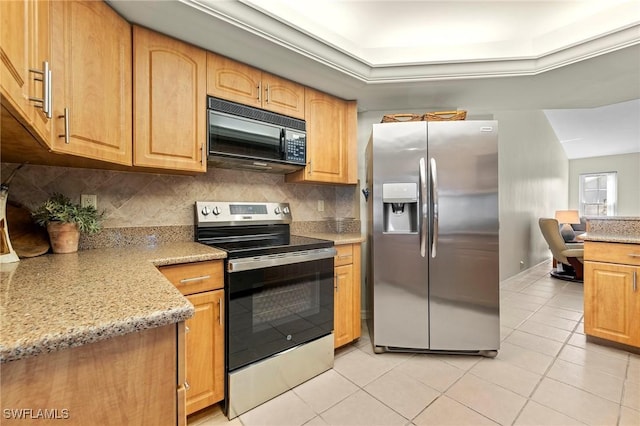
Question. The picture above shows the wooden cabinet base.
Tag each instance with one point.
(126, 380)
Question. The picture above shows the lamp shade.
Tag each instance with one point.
(568, 216)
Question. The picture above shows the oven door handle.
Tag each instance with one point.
(270, 260)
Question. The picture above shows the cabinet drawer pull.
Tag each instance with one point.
(201, 278)
(186, 329)
(66, 126)
(635, 281)
(220, 311)
(268, 90)
(260, 92)
(186, 385)
(45, 100)
(203, 154)
(345, 256)
(634, 255)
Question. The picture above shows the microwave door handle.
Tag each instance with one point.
(282, 144)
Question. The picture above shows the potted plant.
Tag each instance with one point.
(65, 220)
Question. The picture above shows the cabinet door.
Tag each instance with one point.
(612, 302)
(170, 103)
(343, 305)
(91, 66)
(331, 140)
(14, 54)
(233, 81)
(205, 351)
(40, 22)
(282, 96)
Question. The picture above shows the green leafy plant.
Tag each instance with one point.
(59, 208)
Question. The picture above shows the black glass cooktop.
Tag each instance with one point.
(257, 240)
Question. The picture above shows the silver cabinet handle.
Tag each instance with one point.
(200, 278)
(268, 90)
(260, 92)
(49, 112)
(220, 311)
(186, 385)
(186, 329)
(635, 281)
(66, 126)
(634, 255)
(423, 208)
(203, 154)
(434, 180)
(45, 78)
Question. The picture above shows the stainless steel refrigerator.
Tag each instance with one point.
(433, 276)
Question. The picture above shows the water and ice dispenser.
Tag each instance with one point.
(400, 207)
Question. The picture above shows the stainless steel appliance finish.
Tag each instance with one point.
(278, 299)
(278, 374)
(434, 276)
(244, 137)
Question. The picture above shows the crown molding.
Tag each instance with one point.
(248, 18)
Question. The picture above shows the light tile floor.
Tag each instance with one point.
(546, 373)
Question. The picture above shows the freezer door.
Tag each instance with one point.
(463, 249)
(399, 269)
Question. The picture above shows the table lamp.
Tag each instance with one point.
(566, 218)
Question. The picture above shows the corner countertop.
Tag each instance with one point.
(58, 301)
(337, 238)
(613, 229)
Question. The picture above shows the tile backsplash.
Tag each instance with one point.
(148, 200)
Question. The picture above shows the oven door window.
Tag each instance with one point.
(276, 308)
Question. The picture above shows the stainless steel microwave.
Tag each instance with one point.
(241, 136)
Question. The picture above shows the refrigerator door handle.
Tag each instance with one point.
(434, 225)
(423, 208)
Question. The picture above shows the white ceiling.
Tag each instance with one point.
(575, 58)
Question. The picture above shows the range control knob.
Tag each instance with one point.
(285, 210)
(277, 210)
(205, 211)
(215, 211)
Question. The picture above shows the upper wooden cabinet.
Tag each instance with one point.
(25, 52)
(331, 140)
(170, 103)
(91, 67)
(237, 82)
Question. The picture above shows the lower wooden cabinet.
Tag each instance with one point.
(202, 283)
(205, 351)
(346, 322)
(124, 380)
(612, 292)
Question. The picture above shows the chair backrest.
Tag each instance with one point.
(551, 232)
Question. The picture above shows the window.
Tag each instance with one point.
(598, 193)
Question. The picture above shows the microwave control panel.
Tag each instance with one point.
(295, 147)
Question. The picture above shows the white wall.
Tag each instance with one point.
(534, 174)
(628, 168)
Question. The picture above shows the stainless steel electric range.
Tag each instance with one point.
(279, 299)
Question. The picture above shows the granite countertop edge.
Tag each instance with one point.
(611, 238)
(26, 328)
(336, 237)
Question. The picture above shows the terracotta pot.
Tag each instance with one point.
(64, 237)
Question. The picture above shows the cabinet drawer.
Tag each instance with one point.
(195, 277)
(344, 256)
(626, 254)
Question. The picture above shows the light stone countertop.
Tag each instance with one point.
(614, 229)
(58, 301)
(337, 238)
